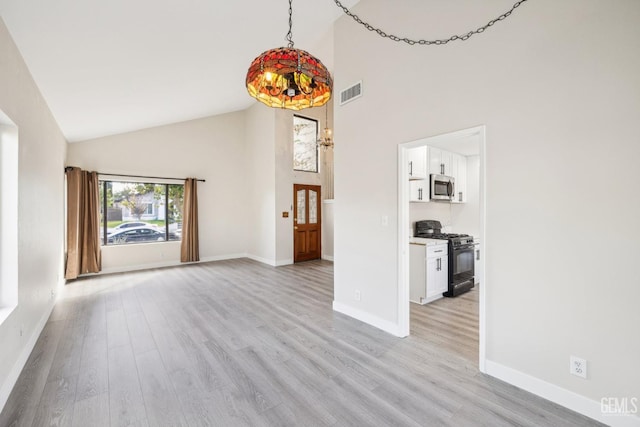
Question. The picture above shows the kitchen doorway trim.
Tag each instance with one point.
(404, 224)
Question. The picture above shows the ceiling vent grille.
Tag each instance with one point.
(351, 93)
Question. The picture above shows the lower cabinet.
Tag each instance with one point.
(429, 272)
(437, 271)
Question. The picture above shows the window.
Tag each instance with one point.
(8, 216)
(305, 147)
(134, 212)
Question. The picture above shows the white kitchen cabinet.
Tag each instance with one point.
(437, 271)
(417, 273)
(428, 272)
(418, 162)
(419, 190)
(440, 161)
(459, 172)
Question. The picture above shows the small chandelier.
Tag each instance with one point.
(289, 78)
(327, 136)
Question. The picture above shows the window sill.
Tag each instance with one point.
(5, 312)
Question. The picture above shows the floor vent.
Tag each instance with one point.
(351, 93)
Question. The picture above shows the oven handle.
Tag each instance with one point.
(468, 246)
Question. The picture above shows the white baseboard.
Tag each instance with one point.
(171, 263)
(12, 378)
(328, 257)
(222, 257)
(270, 262)
(368, 318)
(559, 395)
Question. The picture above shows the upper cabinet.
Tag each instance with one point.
(440, 162)
(459, 172)
(419, 190)
(418, 163)
(425, 160)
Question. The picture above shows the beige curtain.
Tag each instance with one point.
(83, 223)
(189, 249)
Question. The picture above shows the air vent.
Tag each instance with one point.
(351, 93)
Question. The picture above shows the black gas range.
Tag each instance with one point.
(461, 255)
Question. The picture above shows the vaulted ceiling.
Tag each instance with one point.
(107, 67)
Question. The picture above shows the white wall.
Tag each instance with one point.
(558, 87)
(42, 150)
(212, 149)
(327, 229)
(260, 170)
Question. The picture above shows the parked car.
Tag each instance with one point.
(132, 224)
(138, 235)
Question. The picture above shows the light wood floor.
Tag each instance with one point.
(239, 343)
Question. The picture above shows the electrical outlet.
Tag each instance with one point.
(357, 295)
(21, 330)
(578, 366)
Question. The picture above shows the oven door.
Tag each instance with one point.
(442, 187)
(462, 260)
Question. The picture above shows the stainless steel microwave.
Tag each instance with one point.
(442, 187)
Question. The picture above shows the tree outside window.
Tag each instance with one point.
(305, 147)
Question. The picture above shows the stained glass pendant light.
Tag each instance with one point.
(289, 78)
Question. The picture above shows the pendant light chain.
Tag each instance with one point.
(427, 42)
(290, 34)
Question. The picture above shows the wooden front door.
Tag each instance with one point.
(306, 222)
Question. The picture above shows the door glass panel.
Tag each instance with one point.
(313, 207)
(302, 203)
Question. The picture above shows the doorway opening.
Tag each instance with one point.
(464, 215)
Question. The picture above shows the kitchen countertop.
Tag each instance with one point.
(426, 242)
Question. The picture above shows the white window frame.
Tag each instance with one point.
(8, 216)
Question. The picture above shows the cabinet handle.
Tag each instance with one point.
(437, 251)
(460, 196)
(419, 193)
(441, 168)
(410, 168)
(478, 255)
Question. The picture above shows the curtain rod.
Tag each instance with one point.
(68, 168)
